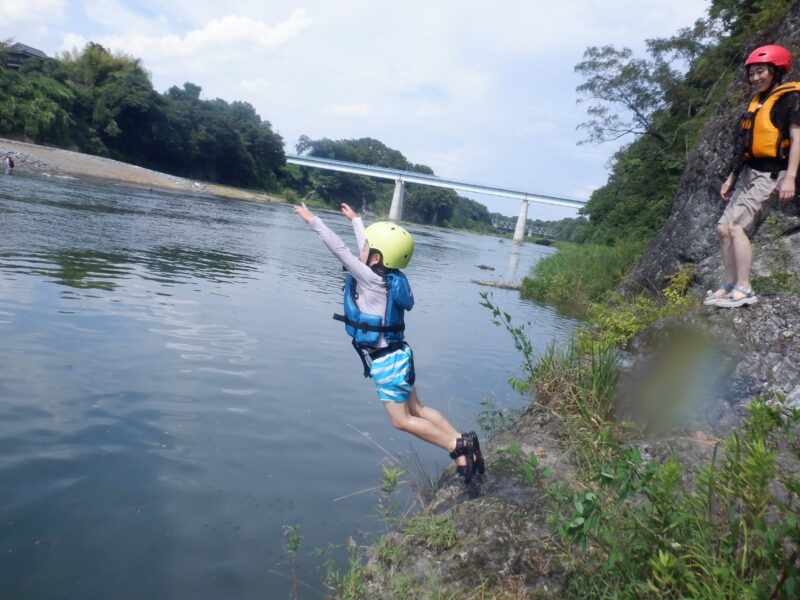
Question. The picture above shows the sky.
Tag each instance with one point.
(481, 92)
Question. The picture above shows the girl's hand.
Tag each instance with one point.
(349, 212)
(304, 213)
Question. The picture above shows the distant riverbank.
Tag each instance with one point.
(66, 163)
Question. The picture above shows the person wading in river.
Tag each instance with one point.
(376, 295)
(767, 155)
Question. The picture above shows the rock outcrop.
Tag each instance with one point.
(501, 532)
(697, 372)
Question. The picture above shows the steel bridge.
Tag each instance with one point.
(529, 229)
(401, 177)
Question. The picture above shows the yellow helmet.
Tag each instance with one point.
(394, 243)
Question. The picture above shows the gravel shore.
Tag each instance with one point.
(57, 162)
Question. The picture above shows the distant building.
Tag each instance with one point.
(16, 53)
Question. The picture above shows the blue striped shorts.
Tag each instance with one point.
(394, 375)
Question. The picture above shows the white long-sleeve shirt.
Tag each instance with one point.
(370, 287)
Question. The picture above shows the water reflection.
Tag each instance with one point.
(174, 262)
(81, 269)
(513, 264)
(91, 269)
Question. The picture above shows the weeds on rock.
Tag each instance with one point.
(775, 282)
(733, 534)
(350, 584)
(437, 532)
(528, 468)
(637, 529)
(617, 321)
(391, 478)
(494, 419)
(292, 539)
(576, 381)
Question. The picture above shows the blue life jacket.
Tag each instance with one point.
(366, 329)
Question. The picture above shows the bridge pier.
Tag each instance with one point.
(522, 220)
(396, 209)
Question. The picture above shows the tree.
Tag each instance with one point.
(616, 80)
(363, 192)
(741, 17)
(428, 204)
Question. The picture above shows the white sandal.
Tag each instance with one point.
(729, 302)
(711, 295)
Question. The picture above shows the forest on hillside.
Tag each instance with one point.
(102, 104)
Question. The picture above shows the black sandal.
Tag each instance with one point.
(479, 466)
(465, 448)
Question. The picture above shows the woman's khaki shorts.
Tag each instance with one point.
(755, 192)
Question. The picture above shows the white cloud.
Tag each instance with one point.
(115, 16)
(361, 109)
(15, 14)
(222, 40)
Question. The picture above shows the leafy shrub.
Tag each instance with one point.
(733, 535)
(618, 321)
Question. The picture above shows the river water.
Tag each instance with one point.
(174, 391)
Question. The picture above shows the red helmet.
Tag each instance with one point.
(777, 55)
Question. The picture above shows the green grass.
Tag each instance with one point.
(579, 274)
(437, 532)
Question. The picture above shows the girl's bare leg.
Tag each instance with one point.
(425, 423)
(429, 414)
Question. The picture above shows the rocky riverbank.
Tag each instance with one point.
(56, 162)
(684, 381)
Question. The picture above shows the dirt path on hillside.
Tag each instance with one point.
(55, 161)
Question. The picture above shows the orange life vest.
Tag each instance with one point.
(758, 136)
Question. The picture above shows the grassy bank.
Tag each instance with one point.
(580, 274)
(633, 528)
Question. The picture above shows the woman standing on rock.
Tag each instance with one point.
(764, 169)
(9, 164)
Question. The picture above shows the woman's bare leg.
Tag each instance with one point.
(728, 256)
(743, 253)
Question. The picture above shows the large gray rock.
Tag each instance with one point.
(697, 372)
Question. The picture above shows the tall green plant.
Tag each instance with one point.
(291, 543)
